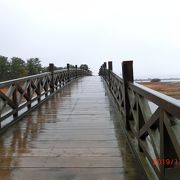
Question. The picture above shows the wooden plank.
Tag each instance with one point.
(77, 137)
(71, 131)
(69, 173)
(64, 162)
(64, 152)
(74, 144)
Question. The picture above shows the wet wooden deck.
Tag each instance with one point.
(74, 135)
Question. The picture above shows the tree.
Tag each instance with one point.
(34, 66)
(84, 66)
(71, 66)
(17, 68)
(155, 80)
(4, 68)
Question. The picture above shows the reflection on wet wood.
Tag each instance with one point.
(75, 135)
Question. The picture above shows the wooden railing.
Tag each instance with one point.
(151, 123)
(20, 96)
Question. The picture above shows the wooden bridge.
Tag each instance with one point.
(69, 125)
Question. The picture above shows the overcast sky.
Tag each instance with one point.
(94, 31)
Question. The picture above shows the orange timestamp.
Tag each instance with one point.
(167, 162)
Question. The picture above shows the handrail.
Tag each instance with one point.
(20, 96)
(168, 103)
(7, 83)
(151, 123)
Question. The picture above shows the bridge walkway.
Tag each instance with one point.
(73, 135)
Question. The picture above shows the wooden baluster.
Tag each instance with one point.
(29, 95)
(15, 115)
(39, 91)
(46, 89)
(68, 73)
(76, 71)
(140, 124)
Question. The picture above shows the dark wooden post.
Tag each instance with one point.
(109, 72)
(68, 75)
(104, 67)
(46, 89)
(167, 151)
(162, 144)
(29, 95)
(127, 71)
(100, 71)
(51, 69)
(76, 71)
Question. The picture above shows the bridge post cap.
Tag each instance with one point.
(51, 67)
(110, 65)
(127, 71)
(127, 62)
(104, 65)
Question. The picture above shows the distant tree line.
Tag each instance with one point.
(16, 67)
(155, 80)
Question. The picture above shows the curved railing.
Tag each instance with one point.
(19, 96)
(151, 123)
